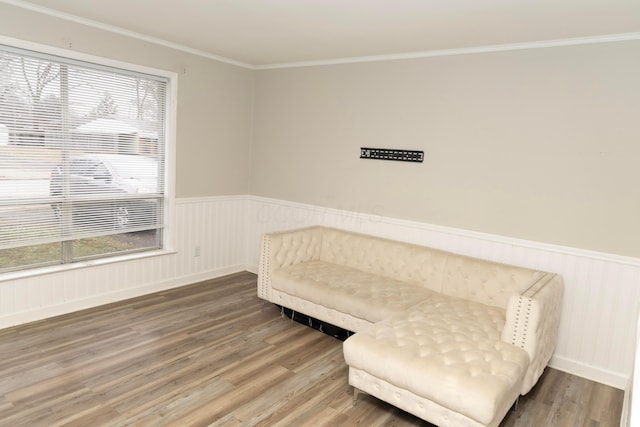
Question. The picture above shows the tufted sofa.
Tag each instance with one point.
(451, 339)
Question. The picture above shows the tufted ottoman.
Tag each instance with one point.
(442, 360)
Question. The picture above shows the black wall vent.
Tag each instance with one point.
(392, 154)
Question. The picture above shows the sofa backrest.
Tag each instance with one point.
(383, 257)
(483, 281)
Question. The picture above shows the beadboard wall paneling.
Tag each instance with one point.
(214, 225)
(597, 332)
(601, 290)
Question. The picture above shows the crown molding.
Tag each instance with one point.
(607, 38)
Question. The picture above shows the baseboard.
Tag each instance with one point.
(97, 300)
(590, 372)
(251, 268)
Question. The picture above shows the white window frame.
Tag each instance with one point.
(168, 234)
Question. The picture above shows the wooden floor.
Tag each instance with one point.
(214, 354)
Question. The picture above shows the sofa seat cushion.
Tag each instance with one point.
(447, 350)
(348, 290)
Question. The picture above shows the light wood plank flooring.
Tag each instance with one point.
(214, 354)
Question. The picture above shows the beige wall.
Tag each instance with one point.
(214, 99)
(540, 144)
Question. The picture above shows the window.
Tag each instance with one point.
(82, 160)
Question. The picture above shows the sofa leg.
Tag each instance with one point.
(356, 393)
(293, 313)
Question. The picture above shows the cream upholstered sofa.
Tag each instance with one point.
(451, 339)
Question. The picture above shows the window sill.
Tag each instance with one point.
(23, 274)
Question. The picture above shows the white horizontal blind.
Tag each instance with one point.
(81, 150)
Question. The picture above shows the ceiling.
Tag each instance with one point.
(262, 33)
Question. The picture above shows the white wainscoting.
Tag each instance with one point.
(601, 290)
(215, 225)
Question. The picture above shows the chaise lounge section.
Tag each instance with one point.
(451, 339)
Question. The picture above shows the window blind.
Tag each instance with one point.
(82, 151)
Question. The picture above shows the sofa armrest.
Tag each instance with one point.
(532, 321)
(285, 248)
